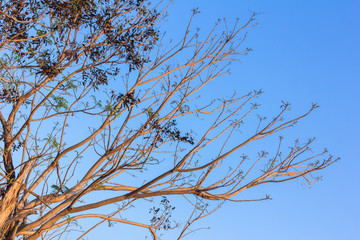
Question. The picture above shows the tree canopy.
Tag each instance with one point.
(100, 112)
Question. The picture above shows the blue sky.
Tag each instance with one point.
(304, 52)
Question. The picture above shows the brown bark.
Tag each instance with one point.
(8, 203)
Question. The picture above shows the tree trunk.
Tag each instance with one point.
(8, 203)
(7, 206)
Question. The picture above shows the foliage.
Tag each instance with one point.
(94, 99)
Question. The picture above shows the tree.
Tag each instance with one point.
(98, 112)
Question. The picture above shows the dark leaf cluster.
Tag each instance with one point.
(13, 23)
(127, 99)
(34, 38)
(9, 95)
(98, 76)
(171, 132)
(71, 14)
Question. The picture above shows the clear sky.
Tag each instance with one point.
(304, 51)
